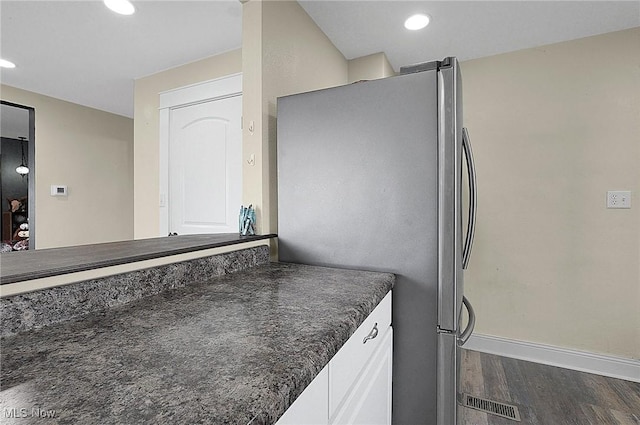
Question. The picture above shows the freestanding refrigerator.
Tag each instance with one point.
(370, 177)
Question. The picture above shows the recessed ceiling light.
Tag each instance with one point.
(123, 7)
(6, 64)
(417, 22)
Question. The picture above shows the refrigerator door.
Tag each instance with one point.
(449, 394)
(450, 240)
(450, 250)
(357, 188)
(448, 378)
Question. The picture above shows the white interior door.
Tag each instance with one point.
(205, 167)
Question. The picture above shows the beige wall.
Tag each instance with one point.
(553, 128)
(146, 131)
(91, 152)
(370, 67)
(294, 56)
(283, 52)
(255, 186)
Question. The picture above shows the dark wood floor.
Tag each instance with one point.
(546, 395)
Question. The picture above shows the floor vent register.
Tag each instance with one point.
(492, 407)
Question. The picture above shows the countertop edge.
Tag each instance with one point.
(334, 342)
(6, 278)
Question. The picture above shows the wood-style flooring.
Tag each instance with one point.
(546, 395)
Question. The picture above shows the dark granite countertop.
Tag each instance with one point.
(39, 263)
(235, 350)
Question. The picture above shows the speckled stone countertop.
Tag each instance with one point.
(235, 350)
(39, 263)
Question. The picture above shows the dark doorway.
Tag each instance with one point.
(17, 182)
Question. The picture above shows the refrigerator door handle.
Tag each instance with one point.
(471, 171)
(464, 336)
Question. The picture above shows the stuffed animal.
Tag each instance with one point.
(22, 231)
(14, 205)
(18, 205)
(21, 245)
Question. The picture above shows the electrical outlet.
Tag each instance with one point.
(619, 199)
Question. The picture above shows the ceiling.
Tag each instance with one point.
(465, 29)
(81, 52)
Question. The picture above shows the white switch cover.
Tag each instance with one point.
(619, 199)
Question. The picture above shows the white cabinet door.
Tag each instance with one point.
(312, 406)
(355, 387)
(205, 167)
(349, 363)
(369, 402)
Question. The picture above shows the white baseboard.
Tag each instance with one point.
(615, 367)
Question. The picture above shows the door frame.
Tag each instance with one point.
(206, 91)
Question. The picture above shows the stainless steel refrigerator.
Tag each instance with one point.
(370, 176)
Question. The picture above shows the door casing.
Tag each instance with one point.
(206, 91)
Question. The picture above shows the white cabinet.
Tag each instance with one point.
(355, 387)
(348, 365)
(310, 408)
(369, 402)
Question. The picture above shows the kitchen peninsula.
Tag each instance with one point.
(35, 264)
(238, 348)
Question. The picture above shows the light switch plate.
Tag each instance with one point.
(619, 199)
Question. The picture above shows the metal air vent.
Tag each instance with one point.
(492, 407)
